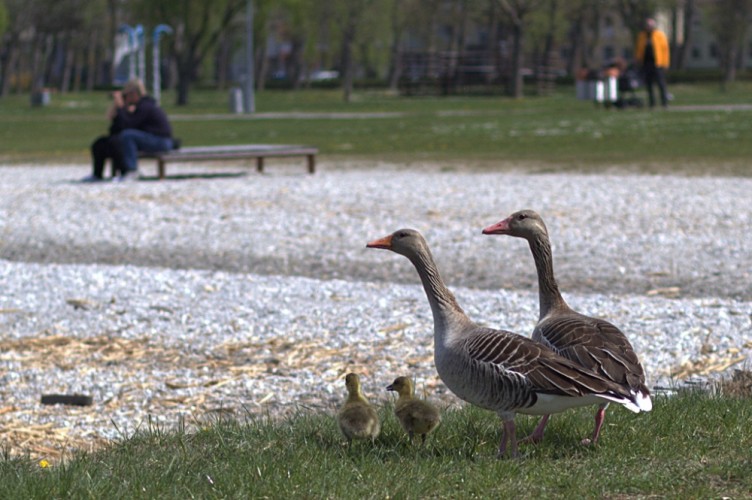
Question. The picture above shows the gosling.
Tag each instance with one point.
(415, 415)
(357, 418)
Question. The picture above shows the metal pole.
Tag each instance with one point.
(141, 53)
(157, 74)
(249, 103)
(125, 28)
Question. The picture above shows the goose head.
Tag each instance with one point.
(523, 224)
(406, 242)
(402, 386)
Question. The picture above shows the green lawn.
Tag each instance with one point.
(689, 446)
(551, 132)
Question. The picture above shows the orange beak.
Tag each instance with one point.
(385, 242)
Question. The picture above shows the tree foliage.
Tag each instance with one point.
(70, 43)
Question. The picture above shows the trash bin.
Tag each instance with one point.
(40, 97)
(236, 100)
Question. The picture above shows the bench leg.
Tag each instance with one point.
(311, 164)
(161, 168)
(260, 164)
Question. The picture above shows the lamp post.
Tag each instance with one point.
(141, 51)
(126, 28)
(157, 75)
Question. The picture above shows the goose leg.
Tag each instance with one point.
(537, 434)
(600, 415)
(509, 435)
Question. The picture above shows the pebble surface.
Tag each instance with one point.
(254, 293)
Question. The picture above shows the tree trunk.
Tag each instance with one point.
(458, 46)
(545, 76)
(68, 62)
(395, 50)
(493, 45)
(78, 69)
(262, 63)
(8, 70)
(516, 80)
(185, 76)
(348, 36)
(690, 13)
(295, 66)
(576, 61)
(91, 62)
(223, 62)
(347, 66)
(729, 63)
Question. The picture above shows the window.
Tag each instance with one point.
(608, 53)
(713, 50)
(696, 52)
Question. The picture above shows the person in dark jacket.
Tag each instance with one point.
(138, 124)
(145, 127)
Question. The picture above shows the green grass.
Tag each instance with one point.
(550, 132)
(689, 446)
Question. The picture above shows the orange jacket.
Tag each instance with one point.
(660, 47)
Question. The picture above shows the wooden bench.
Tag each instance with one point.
(213, 153)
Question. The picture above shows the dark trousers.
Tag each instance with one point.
(107, 146)
(655, 76)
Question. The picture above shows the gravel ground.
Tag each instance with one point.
(255, 293)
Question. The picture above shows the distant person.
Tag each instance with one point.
(138, 124)
(652, 54)
(107, 147)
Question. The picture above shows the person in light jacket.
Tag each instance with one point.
(652, 54)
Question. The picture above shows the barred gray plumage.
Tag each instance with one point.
(496, 369)
(593, 343)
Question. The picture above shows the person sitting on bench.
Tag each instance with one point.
(138, 124)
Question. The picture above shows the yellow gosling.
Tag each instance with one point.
(415, 415)
(357, 418)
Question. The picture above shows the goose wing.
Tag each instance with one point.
(593, 343)
(542, 370)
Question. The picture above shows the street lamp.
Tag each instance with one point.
(157, 75)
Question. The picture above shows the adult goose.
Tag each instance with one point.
(496, 369)
(593, 343)
(357, 418)
(416, 416)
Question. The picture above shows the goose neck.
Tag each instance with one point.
(444, 305)
(548, 289)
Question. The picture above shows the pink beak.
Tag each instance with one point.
(498, 228)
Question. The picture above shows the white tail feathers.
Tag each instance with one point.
(637, 403)
(643, 400)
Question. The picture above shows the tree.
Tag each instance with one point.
(518, 12)
(680, 51)
(634, 13)
(728, 20)
(351, 16)
(197, 26)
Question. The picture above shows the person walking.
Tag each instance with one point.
(652, 54)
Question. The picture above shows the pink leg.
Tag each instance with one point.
(510, 435)
(537, 435)
(599, 416)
